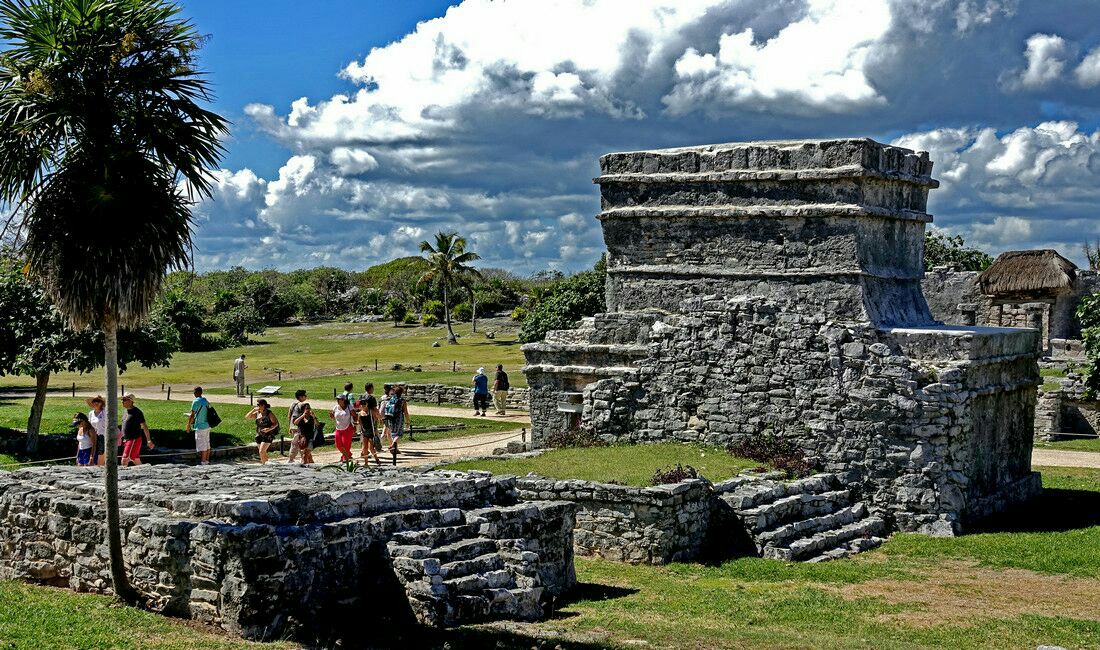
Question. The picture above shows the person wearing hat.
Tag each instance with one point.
(98, 418)
(134, 431)
(481, 393)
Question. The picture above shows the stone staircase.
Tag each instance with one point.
(453, 573)
(808, 520)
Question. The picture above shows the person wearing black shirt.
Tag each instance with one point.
(500, 389)
(134, 429)
(369, 417)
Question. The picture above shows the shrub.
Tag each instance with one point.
(396, 310)
(563, 304)
(673, 474)
(409, 319)
(781, 453)
(462, 311)
(433, 307)
(1088, 312)
(574, 438)
(519, 313)
(429, 320)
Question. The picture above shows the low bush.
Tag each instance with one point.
(409, 319)
(429, 320)
(673, 474)
(780, 453)
(462, 312)
(433, 307)
(519, 313)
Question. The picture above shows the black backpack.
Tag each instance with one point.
(212, 417)
(319, 434)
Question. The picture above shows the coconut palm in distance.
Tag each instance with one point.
(449, 266)
(100, 127)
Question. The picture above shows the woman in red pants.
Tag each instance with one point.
(345, 426)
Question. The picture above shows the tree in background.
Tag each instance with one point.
(563, 302)
(100, 126)
(449, 268)
(1092, 254)
(1088, 312)
(942, 249)
(396, 310)
(35, 341)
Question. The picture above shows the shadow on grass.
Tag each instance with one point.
(586, 591)
(1055, 510)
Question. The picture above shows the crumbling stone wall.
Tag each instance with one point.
(276, 550)
(639, 525)
(460, 395)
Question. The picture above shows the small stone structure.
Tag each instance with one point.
(461, 395)
(1032, 288)
(811, 519)
(774, 287)
(273, 551)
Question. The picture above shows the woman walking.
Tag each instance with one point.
(344, 419)
(267, 427)
(307, 428)
(98, 417)
(368, 426)
(399, 409)
(85, 440)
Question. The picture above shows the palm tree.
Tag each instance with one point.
(448, 261)
(100, 127)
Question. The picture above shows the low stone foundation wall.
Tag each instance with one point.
(639, 525)
(518, 398)
(276, 551)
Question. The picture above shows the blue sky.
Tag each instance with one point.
(361, 128)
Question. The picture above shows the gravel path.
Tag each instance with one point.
(429, 452)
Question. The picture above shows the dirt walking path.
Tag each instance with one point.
(1065, 458)
(413, 453)
(518, 418)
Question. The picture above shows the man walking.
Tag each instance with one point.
(238, 375)
(295, 411)
(198, 422)
(500, 389)
(481, 393)
(134, 431)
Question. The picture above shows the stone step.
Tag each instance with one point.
(790, 508)
(477, 582)
(756, 492)
(466, 549)
(817, 544)
(480, 564)
(848, 549)
(784, 534)
(524, 604)
(435, 536)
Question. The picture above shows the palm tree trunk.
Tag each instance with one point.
(120, 582)
(34, 422)
(451, 338)
(473, 310)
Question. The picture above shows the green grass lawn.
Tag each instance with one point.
(626, 464)
(322, 386)
(335, 350)
(1072, 444)
(168, 421)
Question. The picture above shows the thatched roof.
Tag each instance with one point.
(1028, 271)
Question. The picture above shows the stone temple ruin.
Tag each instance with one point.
(775, 287)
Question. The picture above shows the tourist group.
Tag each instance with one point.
(375, 419)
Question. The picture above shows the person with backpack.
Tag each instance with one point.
(387, 393)
(481, 393)
(398, 411)
(307, 428)
(199, 423)
(370, 441)
(267, 427)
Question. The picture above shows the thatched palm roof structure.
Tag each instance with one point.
(1037, 271)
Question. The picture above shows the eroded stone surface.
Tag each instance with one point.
(272, 550)
(774, 287)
